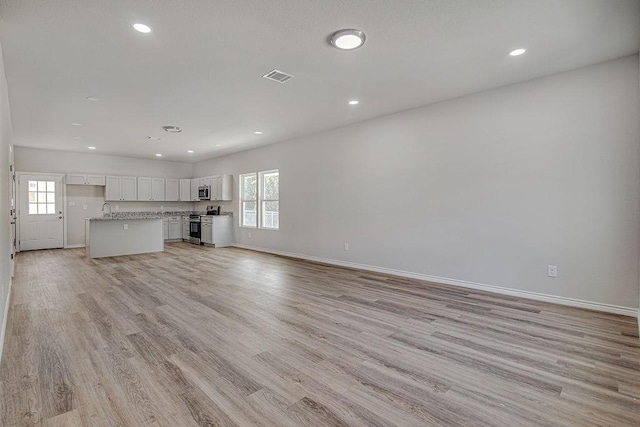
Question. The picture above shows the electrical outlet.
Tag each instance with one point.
(161, 207)
(249, 235)
(126, 226)
(84, 207)
(72, 204)
(552, 270)
(346, 246)
(117, 207)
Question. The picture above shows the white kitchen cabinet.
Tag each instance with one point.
(195, 183)
(223, 187)
(217, 230)
(186, 228)
(206, 181)
(85, 179)
(150, 189)
(157, 189)
(185, 190)
(121, 188)
(129, 192)
(175, 228)
(172, 190)
(165, 228)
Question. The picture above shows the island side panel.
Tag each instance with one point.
(110, 238)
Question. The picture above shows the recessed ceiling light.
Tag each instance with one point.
(153, 138)
(190, 151)
(91, 148)
(172, 129)
(77, 137)
(258, 132)
(218, 145)
(354, 102)
(158, 155)
(347, 39)
(142, 28)
(517, 52)
(93, 99)
(76, 124)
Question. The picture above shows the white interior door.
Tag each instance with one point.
(41, 219)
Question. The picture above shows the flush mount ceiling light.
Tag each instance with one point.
(347, 39)
(153, 138)
(190, 151)
(91, 148)
(354, 102)
(258, 132)
(158, 155)
(77, 137)
(172, 129)
(76, 124)
(93, 99)
(517, 52)
(141, 28)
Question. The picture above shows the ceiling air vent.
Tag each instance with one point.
(278, 76)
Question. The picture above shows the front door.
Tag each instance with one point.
(41, 220)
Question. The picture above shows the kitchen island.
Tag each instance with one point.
(105, 237)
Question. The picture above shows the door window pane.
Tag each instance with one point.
(42, 197)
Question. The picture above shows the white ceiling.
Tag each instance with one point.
(201, 66)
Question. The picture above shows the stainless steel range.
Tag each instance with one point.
(195, 230)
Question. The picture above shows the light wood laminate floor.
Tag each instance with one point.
(201, 336)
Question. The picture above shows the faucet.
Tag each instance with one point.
(106, 204)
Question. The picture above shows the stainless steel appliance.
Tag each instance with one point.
(195, 230)
(204, 192)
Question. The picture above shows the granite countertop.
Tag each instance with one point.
(120, 216)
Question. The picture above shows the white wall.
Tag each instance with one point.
(488, 188)
(36, 160)
(5, 197)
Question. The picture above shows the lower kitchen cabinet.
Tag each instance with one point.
(186, 232)
(217, 230)
(172, 227)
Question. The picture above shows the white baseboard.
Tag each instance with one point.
(5, 317)
(77, 245)
(571, 302)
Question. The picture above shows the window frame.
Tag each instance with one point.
(259, 200)
(243, 200)
(263, 200)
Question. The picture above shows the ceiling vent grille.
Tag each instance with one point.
(278, 76)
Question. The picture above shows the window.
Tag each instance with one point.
(248, 200)
(260, 200)
(42, 197)
(269, 199)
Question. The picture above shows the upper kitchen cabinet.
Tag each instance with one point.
(222, 188)
(195, 183)
(151, 189)
(185, 190)
(177, 190)
(85, 179)
(121, 188)
(171, 190)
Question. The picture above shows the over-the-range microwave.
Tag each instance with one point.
(204, 192)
